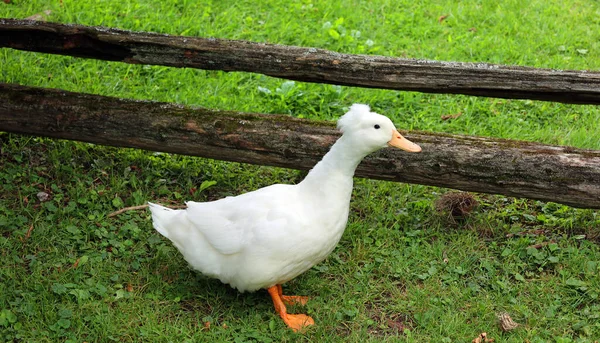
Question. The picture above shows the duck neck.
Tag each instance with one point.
(338, 164)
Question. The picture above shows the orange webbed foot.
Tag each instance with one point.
(296, 322)
(291, 299)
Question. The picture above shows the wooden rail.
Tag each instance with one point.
(303, 64)
(514, 168)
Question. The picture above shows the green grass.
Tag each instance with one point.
(402, 272)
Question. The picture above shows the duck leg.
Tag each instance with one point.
(295, 322)
(291, 299)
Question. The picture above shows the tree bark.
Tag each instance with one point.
(523, 169)
(303, 64)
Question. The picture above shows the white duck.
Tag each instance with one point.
(267, 237)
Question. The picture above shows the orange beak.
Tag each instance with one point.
(398, 141)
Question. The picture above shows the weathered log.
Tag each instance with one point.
(515, 168)
(303, 64)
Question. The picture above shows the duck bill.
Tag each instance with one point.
(398, 141)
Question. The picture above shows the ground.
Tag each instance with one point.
(405, 270)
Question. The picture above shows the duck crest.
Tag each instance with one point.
(352, 117)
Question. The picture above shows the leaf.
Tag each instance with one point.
(117, 202)
(339, 21)
(120, 293)
(50, 207)
(553, 259)
(83, 260)
(333, 34)
(65, 313)
(100, 290)
(64, 323)
(532, 251)
(519, 277)
(206, 184)
(272, 325)
(7, 317)
(264, 90)
(74, 230)
(582, 51)
(11, 317)
(529, 217)
(59, 288)
(80, 294)
(423, 276)
(575, 282)
(591, 266)
(286, 87)
(351, 312)
(501, 284)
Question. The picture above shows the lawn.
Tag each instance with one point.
(402, 272)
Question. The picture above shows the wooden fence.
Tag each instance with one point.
(515, 168)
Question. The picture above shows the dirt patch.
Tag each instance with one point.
(456, 206)
(193, 305)
(390, 324)
(385, 322)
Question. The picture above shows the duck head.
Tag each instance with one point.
(372, 130)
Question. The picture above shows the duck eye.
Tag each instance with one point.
(377, 126)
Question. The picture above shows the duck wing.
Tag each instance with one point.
(231, 224)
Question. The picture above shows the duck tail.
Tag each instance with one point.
(162, 218)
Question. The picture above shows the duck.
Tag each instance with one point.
(267, 237)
